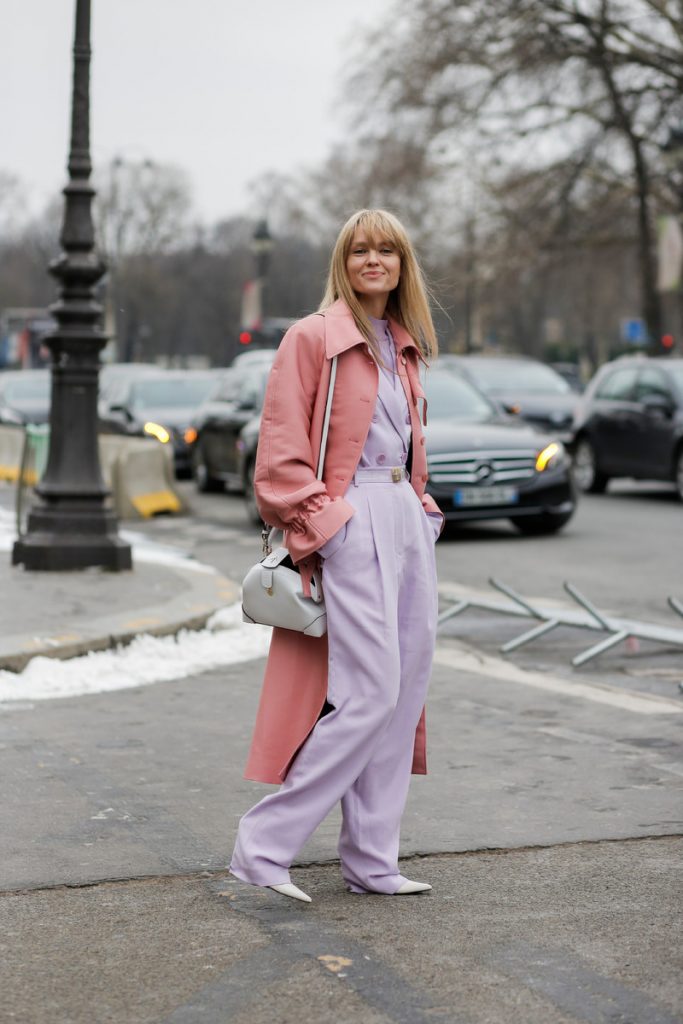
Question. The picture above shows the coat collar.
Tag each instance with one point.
(341, 332)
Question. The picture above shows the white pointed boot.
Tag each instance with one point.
(287, 889)
(408, 888)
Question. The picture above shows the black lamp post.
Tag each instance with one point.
(71, 528)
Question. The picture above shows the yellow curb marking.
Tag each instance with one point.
(158, 501)
(335, 963)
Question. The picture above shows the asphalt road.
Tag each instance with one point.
(550, 824)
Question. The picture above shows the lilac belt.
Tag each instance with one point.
(380, 475)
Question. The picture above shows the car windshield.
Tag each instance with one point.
(172, 392)
(504, 376)
(23, 388)
(450, 396)
(676, 371)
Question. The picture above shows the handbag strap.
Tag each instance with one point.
(268, 533)
(326, 421)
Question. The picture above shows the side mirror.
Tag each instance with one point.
(658, 403)
(121, 411)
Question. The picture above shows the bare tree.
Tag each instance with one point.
(535, 83)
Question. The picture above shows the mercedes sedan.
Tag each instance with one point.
(484, 465)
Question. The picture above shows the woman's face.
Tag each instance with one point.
(374, 267)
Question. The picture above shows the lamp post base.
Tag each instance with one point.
(59, 540)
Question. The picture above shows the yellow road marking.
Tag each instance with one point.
(335, 963)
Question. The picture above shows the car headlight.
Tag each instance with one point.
(156, 430)
(550, 456)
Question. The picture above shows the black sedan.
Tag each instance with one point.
(215, 429)
(24, 396)
(630, 424)
(159, 405)
(534, 391)
(482, 464)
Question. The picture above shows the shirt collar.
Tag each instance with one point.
(341, 332)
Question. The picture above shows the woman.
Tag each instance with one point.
(341, 717)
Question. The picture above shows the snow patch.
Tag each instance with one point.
(226, 640)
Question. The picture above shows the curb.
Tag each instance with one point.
(205, 593)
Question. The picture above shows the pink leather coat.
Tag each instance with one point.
(311, 511)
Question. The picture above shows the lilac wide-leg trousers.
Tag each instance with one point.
(381, 600)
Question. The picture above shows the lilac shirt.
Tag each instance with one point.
(388, 439)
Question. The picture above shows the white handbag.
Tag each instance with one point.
(272, 592)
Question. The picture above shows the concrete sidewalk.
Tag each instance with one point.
(62, 614)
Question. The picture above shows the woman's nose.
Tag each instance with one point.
(373, 256)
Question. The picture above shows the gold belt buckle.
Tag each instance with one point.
(396, 474)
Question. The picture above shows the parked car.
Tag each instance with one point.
(114, 375)
(571, 372)
(630, 424)
(159, 405)
(24, 396)
(215, 428)
(253, 356)
(482, 464)
(523, 386)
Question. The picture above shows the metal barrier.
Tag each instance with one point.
(550, 618)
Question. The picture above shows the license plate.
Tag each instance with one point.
(467, 497)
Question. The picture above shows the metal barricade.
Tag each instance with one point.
(586, 616)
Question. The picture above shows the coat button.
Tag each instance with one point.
(403, 456)
(404, 360)
(407, 417)
(375, 418)
(425, 478)
(381, 459)
(422, 440)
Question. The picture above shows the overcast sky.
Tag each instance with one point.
(225, 88)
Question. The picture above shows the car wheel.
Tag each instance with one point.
(679, 473)
(206, 483)
(537, 526)
(587, 474)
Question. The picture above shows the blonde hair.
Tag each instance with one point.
(408, 303)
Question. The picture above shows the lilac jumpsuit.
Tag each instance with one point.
(379, 581)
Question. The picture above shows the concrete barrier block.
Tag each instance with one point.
(143, 482)
(11, 448)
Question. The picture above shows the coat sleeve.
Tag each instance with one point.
(288, 495)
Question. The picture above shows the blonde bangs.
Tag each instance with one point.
(408, 303)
